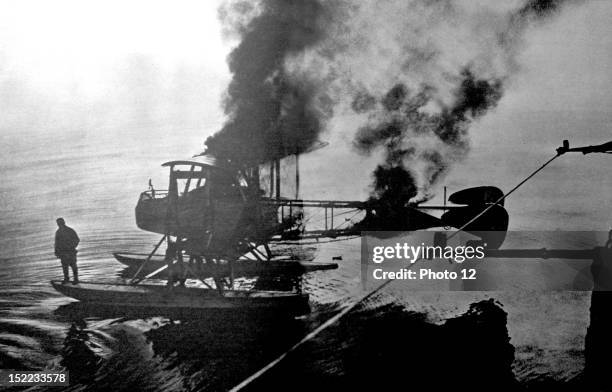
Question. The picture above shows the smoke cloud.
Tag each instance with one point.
(271, 112)
(414, 74)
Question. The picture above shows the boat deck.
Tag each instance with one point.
(158, 296)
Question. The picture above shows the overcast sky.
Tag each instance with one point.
(112, 66)
(66, 62)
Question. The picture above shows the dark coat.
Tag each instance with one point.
(66, 241)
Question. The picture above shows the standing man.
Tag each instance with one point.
(66, 241)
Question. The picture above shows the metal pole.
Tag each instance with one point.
(133, 281)
(297, 176)
(278, 189)
(325, 218)
(444, 198)
(272, 179)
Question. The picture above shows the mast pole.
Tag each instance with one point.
(297, 176)
(277, 164)
(271, 179)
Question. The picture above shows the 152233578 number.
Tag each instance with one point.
(31, 378)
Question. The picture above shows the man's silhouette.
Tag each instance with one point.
(66, 241)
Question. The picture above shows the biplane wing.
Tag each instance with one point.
(467, 203)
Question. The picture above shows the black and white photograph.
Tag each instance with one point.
(305, 195)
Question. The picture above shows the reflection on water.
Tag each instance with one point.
(193, 353)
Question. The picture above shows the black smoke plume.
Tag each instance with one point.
(541, 8)
(270, 113)
(405, 121)
(413, 74)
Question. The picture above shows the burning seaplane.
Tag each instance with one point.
(218, 223)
